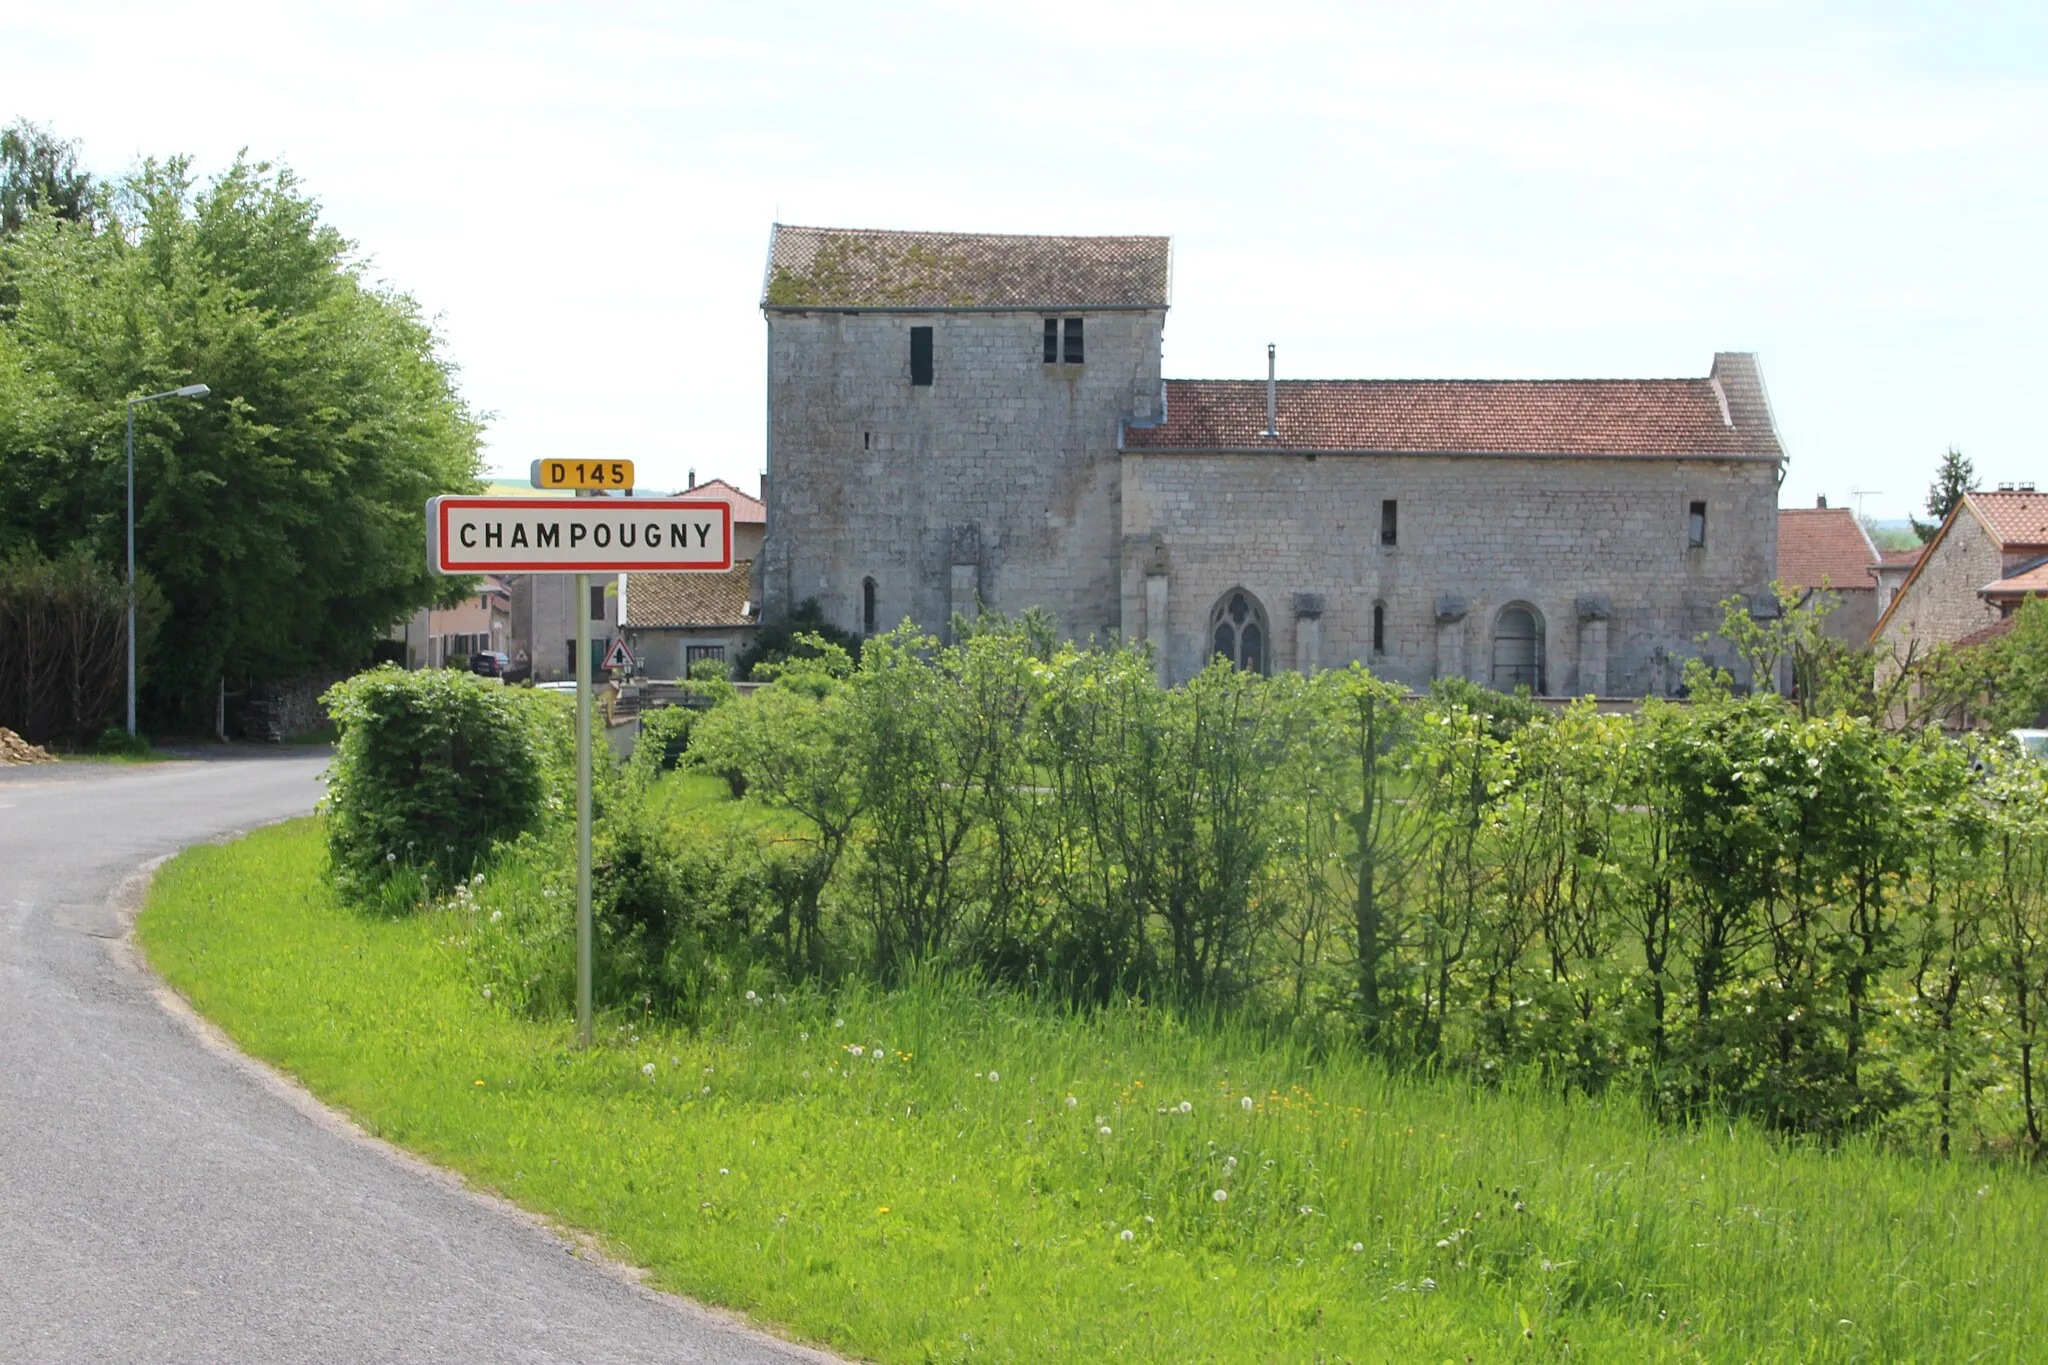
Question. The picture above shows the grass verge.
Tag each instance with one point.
(945, 1174)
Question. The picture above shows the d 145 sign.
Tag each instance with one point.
(577, 535)
(606, 474)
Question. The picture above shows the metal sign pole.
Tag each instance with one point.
(581, 607)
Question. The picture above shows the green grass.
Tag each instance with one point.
(923, 1208)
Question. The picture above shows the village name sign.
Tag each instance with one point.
(578, 535)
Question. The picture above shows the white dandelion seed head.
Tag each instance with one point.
(647, 1070)
(1306, 1210)
(1245, 1104)
(1442, 1242)
(477, 880)
(1126, 1235)
(497, 915)
(487, 992)
(1150, 1219)
(723, 1171)
(1103, 1131)
(391, 857)
(1186, 1108)
(1230, 1163)
(1071, 1101)
(752, 996)
(993, 1077)
(856, 1049)
(1427, 1284)
(1547, 1265)
(803, 1037)
(838, 1023)
(675, 1061)
(1357, 1246)
(707, 1089)
(1220, 1195)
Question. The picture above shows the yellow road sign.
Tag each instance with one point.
(582, 473)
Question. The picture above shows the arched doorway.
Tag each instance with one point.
(1238, 631)
(1517, 649)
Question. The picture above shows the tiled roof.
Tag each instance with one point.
(1445, 416)
(2034, 580)
(745, 507)
(690, 599)
(2001, 627)
(1901, 559)
(2017, 519)
(813, 267)
(1819, 545)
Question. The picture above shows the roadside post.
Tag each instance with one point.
(580, 536)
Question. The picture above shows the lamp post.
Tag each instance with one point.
(189, 391)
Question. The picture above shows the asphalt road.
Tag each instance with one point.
(164, 1199)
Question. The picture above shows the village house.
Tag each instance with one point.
(1990, 554)
(959, 421)
(674, 621)
(1824, 553)
(433, 636)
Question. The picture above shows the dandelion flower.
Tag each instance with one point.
(1427, 1284)
(1245, 1104)
(1306, 1210)
(838, 1023)
(752, 998)
(675, 1061)
(993, 1078)
(647, 1070)
(497, 915)
(1126, 1235)
(1103, 1130)
(803, 1037)
(391, 857)
(1442, 1242)
(1547, 1265)
(723, 1171)
(1071, 1101)
(477, 880)
(883, 1209)
(1186, 1108)
(1357, 1246)
(1230, 1163)
(1220, 1195)
(487, 992)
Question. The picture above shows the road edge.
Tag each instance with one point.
(126, 901)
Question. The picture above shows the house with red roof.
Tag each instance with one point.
(1990, 555)
(1826, 556)
(960, 421)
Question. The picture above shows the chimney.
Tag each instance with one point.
(693, 481)
(1821, 502)
(1272, 397)
(2026, 487)
(2006, 487)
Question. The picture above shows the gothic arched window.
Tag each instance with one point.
(1237, 631)
(1517, 649)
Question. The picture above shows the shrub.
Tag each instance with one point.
(433, 768)
(664, 739)
(126, 743)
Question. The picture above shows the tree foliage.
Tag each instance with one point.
(1954, 477)
(281, 517)
(39, 170)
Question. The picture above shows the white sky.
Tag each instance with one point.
(583, 194)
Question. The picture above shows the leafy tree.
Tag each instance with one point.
(1955, 477)
(38, 170)
(281, 516)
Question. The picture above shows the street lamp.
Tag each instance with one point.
(189, 391)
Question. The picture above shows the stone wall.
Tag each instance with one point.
(1596, 547)
(997, 482)
(1939, 604)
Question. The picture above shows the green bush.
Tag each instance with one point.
(125, 743)
(664, 739)
(434, 768)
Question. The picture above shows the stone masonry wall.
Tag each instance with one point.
(1940, 604)
(998, 481)
(1598, 547)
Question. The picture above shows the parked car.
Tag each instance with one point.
(489, 663)
(2033, 743)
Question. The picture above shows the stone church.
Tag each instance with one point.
(960, 419)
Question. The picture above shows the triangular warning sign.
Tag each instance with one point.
(617, 656)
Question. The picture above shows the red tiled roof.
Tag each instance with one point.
(1902, 559)
(1450, 416)
(689, 599)
(1997, 629)
(2018, 520)
(1823, 545)
(2034, 580)
(745, 507)
(815, 267)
